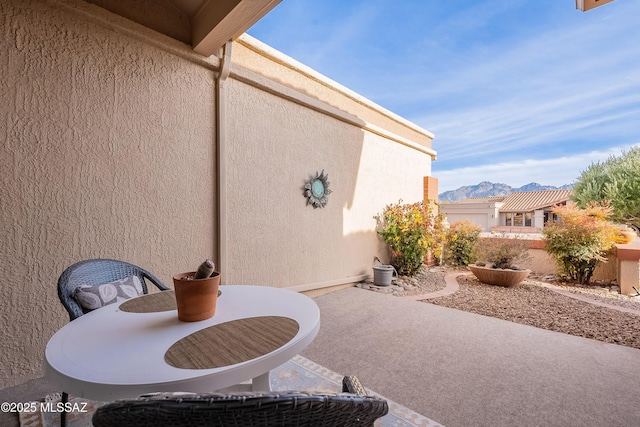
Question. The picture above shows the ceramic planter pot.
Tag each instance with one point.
(499, 276)
(196, 298)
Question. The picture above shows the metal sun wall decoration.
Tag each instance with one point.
(316, 190)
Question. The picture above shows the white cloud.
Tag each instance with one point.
(566, 88)
(553, 102)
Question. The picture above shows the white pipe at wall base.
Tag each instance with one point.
(221, 159)
(329, 283)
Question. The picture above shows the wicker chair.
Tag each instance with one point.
(350, 408)
(96, 272)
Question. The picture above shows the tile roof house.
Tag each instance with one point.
(519, 212)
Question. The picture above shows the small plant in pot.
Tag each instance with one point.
(497, 258)
(197, 292)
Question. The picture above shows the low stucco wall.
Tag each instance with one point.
(628, 267)
(542, 263)
(109, 150)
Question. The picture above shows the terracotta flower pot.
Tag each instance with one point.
(499, 276)
(196, 298)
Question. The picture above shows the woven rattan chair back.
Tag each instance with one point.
(243, 410)
(96, 272)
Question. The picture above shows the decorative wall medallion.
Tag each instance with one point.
(316, 190)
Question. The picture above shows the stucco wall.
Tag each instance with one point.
(107, 147)
(108, 150)
(275, 238)
(541, 262)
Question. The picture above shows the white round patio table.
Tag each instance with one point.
(139, 346)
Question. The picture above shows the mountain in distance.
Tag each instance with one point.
(489, 189)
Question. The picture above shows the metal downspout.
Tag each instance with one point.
(221, 160)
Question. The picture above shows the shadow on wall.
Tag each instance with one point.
(275, 237)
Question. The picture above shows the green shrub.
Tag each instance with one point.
(410, 231)
(615, 182)
(580, 240)
(460, 242)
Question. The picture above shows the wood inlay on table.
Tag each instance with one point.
(151, 303)
(231, 342)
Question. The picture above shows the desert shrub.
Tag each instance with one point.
(410, 230)
(616, 182)
(460, 242)
(581, 239)
(502, 251)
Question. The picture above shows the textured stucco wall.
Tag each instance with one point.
(275, 238)
(106, 151)
(543, 263)
(373, 157)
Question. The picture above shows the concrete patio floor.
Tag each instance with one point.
(464, 369)
(459, 368)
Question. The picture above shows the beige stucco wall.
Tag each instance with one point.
(108, 150)
(542, 263)
(275, 238)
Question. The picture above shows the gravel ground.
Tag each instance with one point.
(531, 303)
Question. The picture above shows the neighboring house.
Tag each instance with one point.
(519, 212)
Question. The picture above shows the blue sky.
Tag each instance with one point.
(515, 91)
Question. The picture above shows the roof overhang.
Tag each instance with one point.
(206, 25)
(217, 21)
(585, 5)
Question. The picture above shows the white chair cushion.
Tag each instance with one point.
(92, 297)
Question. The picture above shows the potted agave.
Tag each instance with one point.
(197, 292)
(497, 261)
